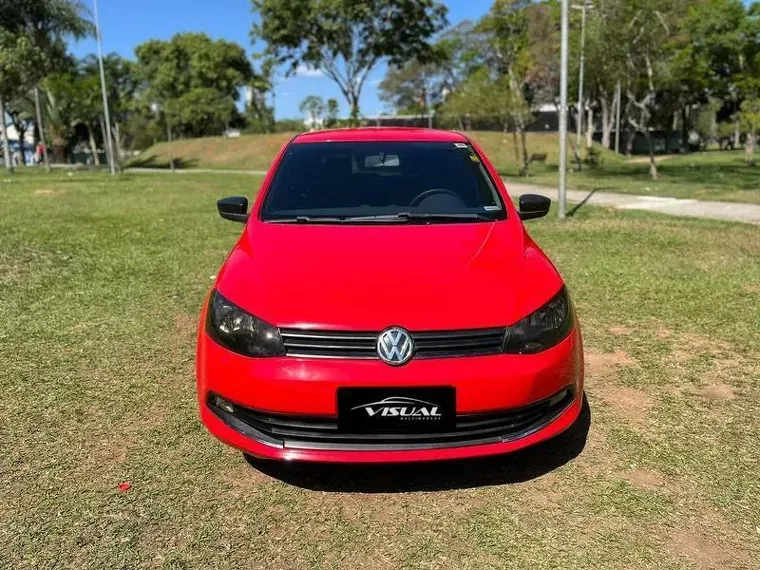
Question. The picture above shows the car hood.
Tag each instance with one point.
(422, 277)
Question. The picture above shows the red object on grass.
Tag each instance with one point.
(383, 304)
(124, 487)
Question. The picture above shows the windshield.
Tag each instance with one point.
(382, 182)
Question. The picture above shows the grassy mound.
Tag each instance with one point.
(255, 152)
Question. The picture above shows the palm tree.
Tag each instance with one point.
(47, 23)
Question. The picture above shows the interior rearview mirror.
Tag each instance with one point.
(234, 208)
(534, 206)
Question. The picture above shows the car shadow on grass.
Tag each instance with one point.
(516, 467)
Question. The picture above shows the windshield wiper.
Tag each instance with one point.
(401, 217)
(444, 217)
(310, 220)
(423, 217)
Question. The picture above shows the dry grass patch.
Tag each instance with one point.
(700, 550)
(600, 365)
(633, 405)
(644, 478)
(691, 346)
(717, 391)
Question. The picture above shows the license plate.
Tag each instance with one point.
(396, 410)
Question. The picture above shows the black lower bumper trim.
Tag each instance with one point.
(321, 432)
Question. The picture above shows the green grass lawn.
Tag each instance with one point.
(704, 176)
(101, 282)
(715, 175)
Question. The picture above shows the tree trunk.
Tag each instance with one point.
(93, 146)
(524, 142)
(749, 147)
(516, 145)
(45, 158)
(590, 127)
(169, 140)
(606, 122)
(630, 138)
(104, 137)
(653, 174)
(737, 133)
(21, 129)
(353, 104)
(4, 133)
(117, 141)
(59, 149)
(21, 141)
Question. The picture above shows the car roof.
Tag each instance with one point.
(380, 134)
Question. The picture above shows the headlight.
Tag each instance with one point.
(543, 329)
(239, 331)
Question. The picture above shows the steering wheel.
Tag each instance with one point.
(432, 192)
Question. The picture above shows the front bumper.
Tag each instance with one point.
(308, 387)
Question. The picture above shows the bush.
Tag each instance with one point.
(594, 156)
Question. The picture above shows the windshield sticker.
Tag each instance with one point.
(492, 208)
(460, 145)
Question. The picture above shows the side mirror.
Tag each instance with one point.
(234, 208)
(534, 206)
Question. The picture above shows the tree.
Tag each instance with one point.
(749, 117)
(706, 124)
(16, 55)
(195, 81)
(20, 110)
(506, 32)
(413, 88)
(46, 24)
(605, 64)
(648, 30)
(482, 96)
(718, 58)
(201, 112)
(314, 107)
(458, 50)
(122, 85)
(260, 116)
(64, 106)
(331, 121)
(346, 39)
(418, 88)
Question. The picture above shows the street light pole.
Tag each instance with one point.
(563, 111)
(618, 103)
(109, 140)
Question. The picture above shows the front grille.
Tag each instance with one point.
(438, 344)
(322, 432)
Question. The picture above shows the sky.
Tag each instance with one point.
(127, 23)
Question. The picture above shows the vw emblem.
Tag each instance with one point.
(395, 346)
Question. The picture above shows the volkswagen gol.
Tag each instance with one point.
(384, 303)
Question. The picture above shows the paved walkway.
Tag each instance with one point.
(730, 211)
(194, 171)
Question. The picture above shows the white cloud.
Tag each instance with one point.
(306, 71)
(375, 82)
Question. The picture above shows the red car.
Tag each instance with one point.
(384, 303)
